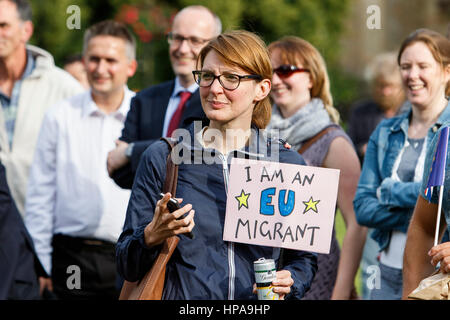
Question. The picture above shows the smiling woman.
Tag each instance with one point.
(192, 28)
(425, 69)
(305, 117)
(424, 224)
(394, 161)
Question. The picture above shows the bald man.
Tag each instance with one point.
(153, 113)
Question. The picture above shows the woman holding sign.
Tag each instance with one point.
(394, 162)
(304, 116)
(234, 74)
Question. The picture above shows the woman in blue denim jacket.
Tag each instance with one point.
(394, 161)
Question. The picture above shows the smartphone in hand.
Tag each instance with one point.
(173, 205)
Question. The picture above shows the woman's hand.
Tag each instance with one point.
(441, 253)
(165, 224)
(282, 285)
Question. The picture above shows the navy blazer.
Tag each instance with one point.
(19, 265)
(145, 121)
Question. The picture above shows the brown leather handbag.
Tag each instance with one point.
(151, 286)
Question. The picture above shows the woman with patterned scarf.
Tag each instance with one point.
(304, 116)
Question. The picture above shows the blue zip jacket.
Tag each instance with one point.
(393, 207)
(205, 267)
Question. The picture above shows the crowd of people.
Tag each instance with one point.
(82, 164)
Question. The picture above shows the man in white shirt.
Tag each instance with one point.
(74, 211)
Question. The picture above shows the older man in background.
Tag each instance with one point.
(159, 110)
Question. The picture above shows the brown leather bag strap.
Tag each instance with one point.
(153, 282)
(151, 286)
(311, 141)
(170, 183)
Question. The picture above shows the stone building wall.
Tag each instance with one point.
(363, 39)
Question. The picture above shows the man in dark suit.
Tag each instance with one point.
(158, 110)
(19, 265)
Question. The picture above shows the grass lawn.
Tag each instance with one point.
(340, 232)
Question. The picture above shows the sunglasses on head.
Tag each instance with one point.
(286, 70)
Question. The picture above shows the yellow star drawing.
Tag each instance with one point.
(310, 205)
(243, 198)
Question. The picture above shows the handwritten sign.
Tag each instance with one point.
(281, 205)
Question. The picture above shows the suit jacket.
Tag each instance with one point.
(19, 265)
(145, 121)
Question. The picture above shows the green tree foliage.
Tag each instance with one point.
(320, 22)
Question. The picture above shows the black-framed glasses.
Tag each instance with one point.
(287, 70)
(228, 81)
(175, 39)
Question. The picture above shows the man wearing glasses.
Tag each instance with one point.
(158, 110)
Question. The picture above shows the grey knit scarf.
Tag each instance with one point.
(304, 124)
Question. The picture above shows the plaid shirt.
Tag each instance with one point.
(10, 104)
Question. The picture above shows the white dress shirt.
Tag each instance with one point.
(69, 190)
(174, 101)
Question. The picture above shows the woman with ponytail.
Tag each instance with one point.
(304, 116)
